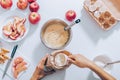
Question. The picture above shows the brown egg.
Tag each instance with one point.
(107, 14)
(112, 20)
(106, 25)
(101, 19)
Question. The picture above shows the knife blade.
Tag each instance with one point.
(10, 60)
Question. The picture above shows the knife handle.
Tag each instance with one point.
(13, 51)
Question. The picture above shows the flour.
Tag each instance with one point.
(55, 38)
(60, 59)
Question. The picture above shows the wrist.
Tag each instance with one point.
(90, 65)
(36, 78)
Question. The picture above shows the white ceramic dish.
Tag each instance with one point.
(7, 17)
(101, 60)
(10, 72)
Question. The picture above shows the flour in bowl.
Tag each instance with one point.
(53, 36)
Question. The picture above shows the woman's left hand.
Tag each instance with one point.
(39, 71)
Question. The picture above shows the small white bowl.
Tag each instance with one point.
(101, 60)
(8, 17)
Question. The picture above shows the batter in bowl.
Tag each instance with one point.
(55, 36)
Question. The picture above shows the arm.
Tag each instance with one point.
(103, 75)
(83, 62)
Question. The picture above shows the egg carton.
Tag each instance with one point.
(101, 13)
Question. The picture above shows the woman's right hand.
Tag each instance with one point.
(80, 61)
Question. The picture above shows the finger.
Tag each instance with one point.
(40, 76)
(71, 60)
(44, 59)
(72, 57)
(41, 63)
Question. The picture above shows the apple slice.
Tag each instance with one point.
(7, 30)
(21, 65)
(21, 69)
(15, 29)
(18, 71)
(23, 20)
(21, 30)
(17, 20)
(18, 60)
(14, 35)
(15, 74)
(22, 33)
(13, 38)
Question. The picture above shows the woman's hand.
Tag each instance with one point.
(39, 71)
(79, 60)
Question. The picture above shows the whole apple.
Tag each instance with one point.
(34, 7)
(34, 17)
(22, 4)
(70, 15)
(30, 1)
(6, 4)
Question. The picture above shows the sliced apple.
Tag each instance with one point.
(21, 69)
(17, 20)
(14, 35)
(15, 29)
(21, 30)
(15, 74)
(13, 38)
(18, 60)
(18, 71)
(21, 65)
(23, 20)
(7, 30)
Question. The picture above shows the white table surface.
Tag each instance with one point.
(88, 39)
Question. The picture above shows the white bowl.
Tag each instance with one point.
(7, 17)
(101, 60)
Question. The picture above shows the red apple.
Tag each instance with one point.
(70, 15)
(30, 1)
(34, 7)
(6, 4)
(34, 17)
(22, 4)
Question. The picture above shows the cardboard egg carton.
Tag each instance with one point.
(104, 12)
